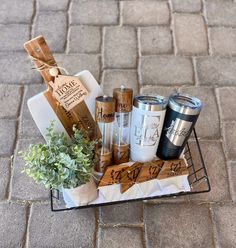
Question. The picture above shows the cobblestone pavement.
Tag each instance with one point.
(153, 46)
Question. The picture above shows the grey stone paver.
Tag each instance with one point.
(115, 78)
(170, 225)
(7, 136)
(17, 34)
(75, 63)
(217, 171)
(11, 63)
(94, 12)
(142, 13)
(166, 70)
(120, 47)
(119, 237)
(158, 90)
(23, 187)
(122, 214)
(65, 229)
(154, 47)
(189, 6)
(4, 177)
(223, 40)
(229, 136)
(27, 126)
(224, 217)
(13, 12)
(226, 98)
(84, 39)
(155, 40)
(52, 5)
(220, 12)
(190, 34)
(216, 70)
(10, 97)
(12, 224)
(209, 113)
(56, 34)
(232, 179)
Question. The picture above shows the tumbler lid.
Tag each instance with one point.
(124, 99)
(105, 109)
(150, 103)
(185, 104)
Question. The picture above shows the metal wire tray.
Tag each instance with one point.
(197, 178)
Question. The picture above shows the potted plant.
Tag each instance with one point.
(64, 164)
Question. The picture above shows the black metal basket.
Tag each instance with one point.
(197, 178)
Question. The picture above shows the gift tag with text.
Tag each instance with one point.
(68, 90)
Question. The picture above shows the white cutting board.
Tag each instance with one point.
(43, 113)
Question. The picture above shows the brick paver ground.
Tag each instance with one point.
(153, 46)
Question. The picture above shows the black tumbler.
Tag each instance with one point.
(181, 115)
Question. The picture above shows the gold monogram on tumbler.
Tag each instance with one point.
(105, 114)
(121, 135)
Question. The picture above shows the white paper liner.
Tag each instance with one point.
(152, 188)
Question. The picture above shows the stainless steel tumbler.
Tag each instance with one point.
(181, 115)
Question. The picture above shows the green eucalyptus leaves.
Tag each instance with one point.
(61, 162)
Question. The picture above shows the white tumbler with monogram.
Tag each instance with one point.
(147, 121)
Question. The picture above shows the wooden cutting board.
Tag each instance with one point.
(44, 108)
(43, 113)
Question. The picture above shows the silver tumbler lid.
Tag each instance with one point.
(185, 104)
(150, 103)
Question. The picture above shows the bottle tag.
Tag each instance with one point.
(127, 176)
(68, 90)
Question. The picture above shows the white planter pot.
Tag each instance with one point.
(81, 195)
